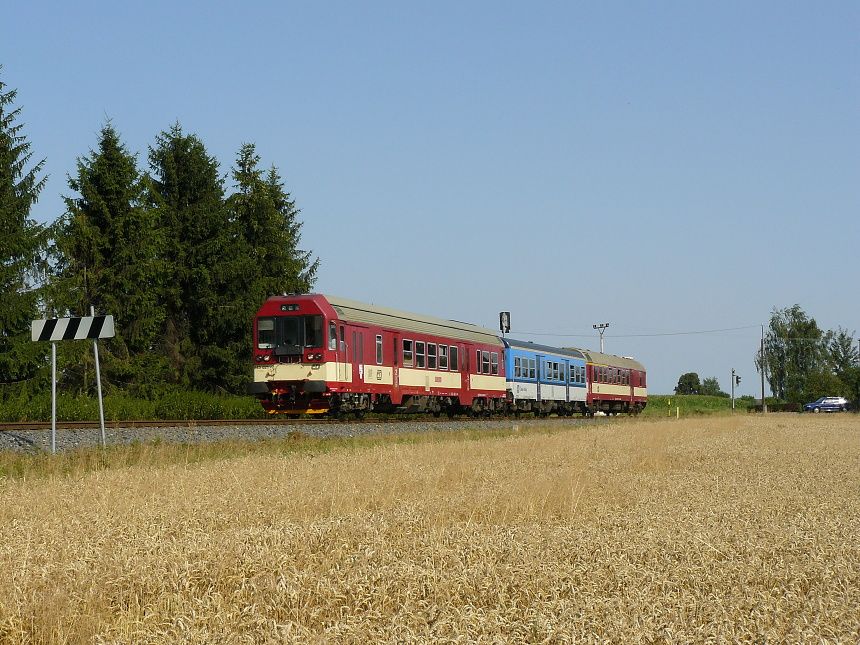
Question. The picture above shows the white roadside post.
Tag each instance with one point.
(54, 329)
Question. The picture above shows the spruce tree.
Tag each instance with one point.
(188, 195)
(266, 258)
(268, 221)
(22, 242)
(110, 247)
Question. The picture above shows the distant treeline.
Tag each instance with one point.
(801, 361)
(179, 254)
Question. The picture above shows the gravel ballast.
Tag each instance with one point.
(35, 441)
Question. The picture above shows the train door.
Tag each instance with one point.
(540, 370)
(465, 379)
(342, 359)
(357, 357)
(396, 354)
(566, 377)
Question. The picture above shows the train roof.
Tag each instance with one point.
(360, 312)
(612, 360)
(572, 352)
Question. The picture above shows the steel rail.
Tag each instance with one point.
(17, 426)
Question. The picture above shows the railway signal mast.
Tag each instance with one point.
(736, 380)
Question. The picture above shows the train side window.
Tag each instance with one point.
(532, 369)
(517, 371)
(332, 335)
(431, 356)
(342, 339)
(407, 353)
(419, 353)
(443, 357)
(485, 363)
(379, 350)
(454, 366)
(477, 361)
(494, 363)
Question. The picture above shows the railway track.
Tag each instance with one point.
(177, 423)
(17, 426)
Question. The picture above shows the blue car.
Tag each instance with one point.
(827, 404)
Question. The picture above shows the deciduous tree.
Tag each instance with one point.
(688, 384)
(794, 348)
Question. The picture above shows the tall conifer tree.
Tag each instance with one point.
(266, 258)
(110, 247)
(22, 242)
(188, 195)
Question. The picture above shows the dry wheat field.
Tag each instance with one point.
(713, 530)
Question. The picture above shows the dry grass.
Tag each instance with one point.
(737, 529)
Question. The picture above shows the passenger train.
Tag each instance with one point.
(319, 354)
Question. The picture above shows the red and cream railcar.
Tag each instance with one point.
(615, 383)
(323, 354)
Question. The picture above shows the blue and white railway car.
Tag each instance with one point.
(544, 380)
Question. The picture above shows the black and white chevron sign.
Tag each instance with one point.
(88, 327)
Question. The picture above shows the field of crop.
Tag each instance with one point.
(728, 529)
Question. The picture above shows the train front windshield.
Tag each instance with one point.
(297, 331)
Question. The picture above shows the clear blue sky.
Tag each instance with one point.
(663, 166)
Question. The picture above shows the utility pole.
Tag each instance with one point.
(601, 327)
(763, 363)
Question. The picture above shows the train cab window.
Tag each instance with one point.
(419, 353)
(266, 333)
(454, 365)
(443, 357)
(378, 350)
(431, 356)
(313, 331)
(494, 363)
(332, 335)
(407, 353)
(485, 363)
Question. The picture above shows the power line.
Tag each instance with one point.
(653, 335)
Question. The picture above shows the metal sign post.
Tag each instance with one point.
(99, 383)
(53, 398)
(54, 329)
